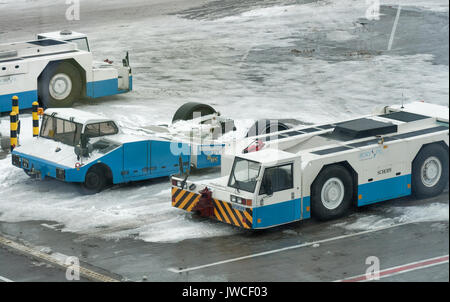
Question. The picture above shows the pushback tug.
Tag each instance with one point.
(93, 150)
(323, 170)
(57, 68)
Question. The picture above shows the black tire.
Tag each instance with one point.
(186, 111)
(95, 181)
(419, 187)
(49, 72)
(318, 208)
(266, 126)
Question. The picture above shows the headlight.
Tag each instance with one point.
(177, 183)
(245, 202)
(25, 163)
(60, 174)
(15, 160)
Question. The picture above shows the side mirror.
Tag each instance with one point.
(83, 140)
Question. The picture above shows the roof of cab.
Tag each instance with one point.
(268, 156)
(78, 116)
(63, 35)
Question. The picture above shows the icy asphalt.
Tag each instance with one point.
(308, 60)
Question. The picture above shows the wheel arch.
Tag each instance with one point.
(105, 168)
(441, 143)
(345, 164)
(75, 64)
(418, 188)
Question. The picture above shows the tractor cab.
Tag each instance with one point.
(267, 175)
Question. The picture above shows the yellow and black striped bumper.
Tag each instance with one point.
(223, 211)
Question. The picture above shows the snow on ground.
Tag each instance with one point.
(429, 212)
(142, 210)
(306, 61)
(241, 62)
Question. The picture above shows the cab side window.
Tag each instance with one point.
(101, 129)
(279, 177)
(47, 129)
(108, 128)
(92, 130)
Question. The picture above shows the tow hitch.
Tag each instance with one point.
(205, 205)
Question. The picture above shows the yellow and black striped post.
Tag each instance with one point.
(15, 108)
(35, 119)
(15, 104)
(13, 135)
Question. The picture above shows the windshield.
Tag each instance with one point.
(82, 43)
(244, 174)
(60, 130)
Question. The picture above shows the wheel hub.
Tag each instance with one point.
(93, 181)
(332, 193)
(60, 86)
(431, 171)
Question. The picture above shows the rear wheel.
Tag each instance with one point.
(186, 111)
(95, 181)
(59, 85)
(430, 171)
(331, 193)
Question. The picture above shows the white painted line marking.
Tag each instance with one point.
(394, 28)
(401, 269)
(174, 270)
(5, 279)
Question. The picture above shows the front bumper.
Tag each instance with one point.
(223, 211)
(39, 167)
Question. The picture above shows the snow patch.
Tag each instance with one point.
(423, 213)
(142, 211)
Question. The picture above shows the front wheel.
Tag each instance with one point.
(331, 193)
(430, 171)
(95, 181)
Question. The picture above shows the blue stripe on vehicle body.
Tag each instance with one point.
(102, 88)
(306, 209)
(26, 99)
(275, 214)
(108, 87)
(381, 190)
(130, 84)
(281, 213)
(288, 211)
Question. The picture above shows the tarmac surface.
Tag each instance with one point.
(304, 251)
